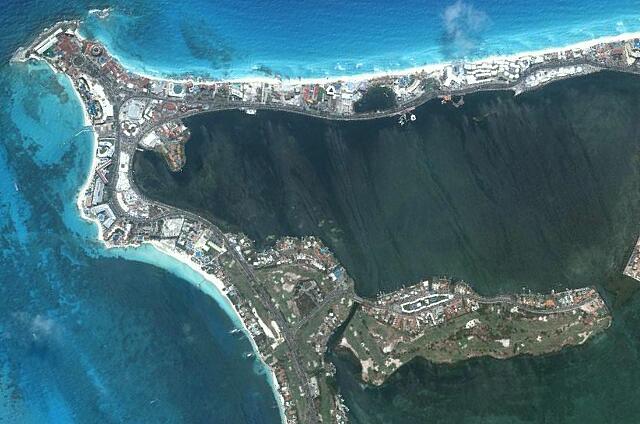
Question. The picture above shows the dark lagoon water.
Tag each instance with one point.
(89, 336)
(539, 190)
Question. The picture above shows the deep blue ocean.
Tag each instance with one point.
(90, 336)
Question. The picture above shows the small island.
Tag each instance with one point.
(293, 296)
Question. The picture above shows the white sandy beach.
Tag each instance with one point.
(367, 76)
(134, 253)
(213, 286)
(182, 258)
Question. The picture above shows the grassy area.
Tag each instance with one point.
(286, 285)
(489, 331)
(294, 383)
(308, 339)
(297, 288)
(238, 278)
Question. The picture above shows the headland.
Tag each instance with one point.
(295, 295)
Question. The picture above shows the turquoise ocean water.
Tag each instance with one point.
(91, 336)
(336, 37)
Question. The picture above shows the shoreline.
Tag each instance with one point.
(344, 344)
(220, 297)
(133, 210)
(519, 72)
(159, 75)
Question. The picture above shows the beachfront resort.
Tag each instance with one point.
(294, 296)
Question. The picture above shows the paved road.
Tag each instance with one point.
(311, 414)
(330, 298)
(118, 95)
(214, 105)
(288, 334)
(501, 299)
(509, 300)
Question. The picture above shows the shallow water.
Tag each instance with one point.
(87, 336)
(331, 37)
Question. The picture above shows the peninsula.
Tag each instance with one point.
(446, 322)
(294, 296)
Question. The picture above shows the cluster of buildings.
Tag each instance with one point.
(299, 279)
(189, 237)
(253, 323)
(308, 250)
(412, 309)
(288, 400)
(632, 269)
(325, 98)
(139, 114)
(313, 292)
(168, 139)
(432, 303)
(319, 370)
(456, 76)
(586, 297)
(97, 105)
(301, 274)
(530, 71)
(543, 76)
(196, 241)
(388, 332)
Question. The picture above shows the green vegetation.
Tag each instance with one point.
(316, 363)
(495, 331)
(281, 354)
(376, 98)
(542, 190)
(287, 284)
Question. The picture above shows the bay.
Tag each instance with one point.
(539, 191)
